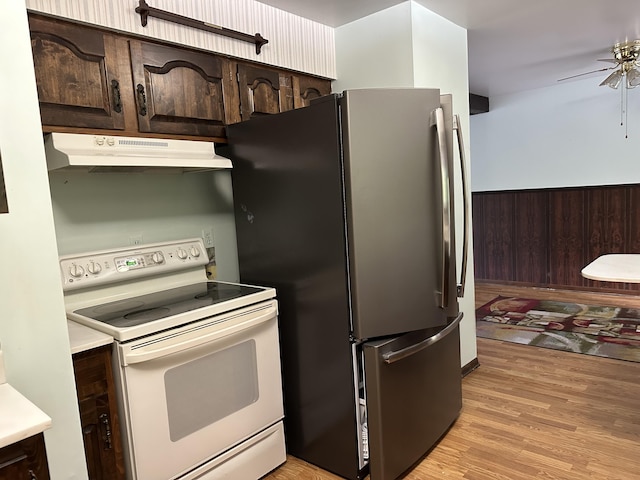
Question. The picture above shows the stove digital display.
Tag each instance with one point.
(155, 306)
(124, 264)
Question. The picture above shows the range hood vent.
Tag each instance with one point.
(113, 154)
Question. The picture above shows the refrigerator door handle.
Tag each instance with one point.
(392, 357)
(438, 113)
(457, 127)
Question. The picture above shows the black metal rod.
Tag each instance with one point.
(146, 11)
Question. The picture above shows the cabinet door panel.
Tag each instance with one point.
(260, 91)
(177, 91)
(98, 414)
(76, 77)
(307, 88)
(97, 432)
(25, 459)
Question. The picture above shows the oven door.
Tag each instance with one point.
(192, 393)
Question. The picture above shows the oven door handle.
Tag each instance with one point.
(195, 337)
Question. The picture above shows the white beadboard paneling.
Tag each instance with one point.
(294, 42)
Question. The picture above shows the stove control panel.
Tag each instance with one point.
(110, 266)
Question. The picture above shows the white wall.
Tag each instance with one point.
(33, 328)
(294, 42)
(561, 136)
(406, 46)
(375, 51)
(440, 60)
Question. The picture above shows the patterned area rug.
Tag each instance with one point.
(612, 332)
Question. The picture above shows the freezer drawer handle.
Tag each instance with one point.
(392, 357)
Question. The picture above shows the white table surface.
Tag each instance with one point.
(618, 267)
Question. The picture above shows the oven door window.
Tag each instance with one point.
(193, 392)
(232, 384)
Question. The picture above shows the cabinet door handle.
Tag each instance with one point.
(115, 90)
(142, 100)
(13, 460)
(106, 436)
(32, 476)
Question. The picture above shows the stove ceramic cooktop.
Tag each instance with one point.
(155, 306)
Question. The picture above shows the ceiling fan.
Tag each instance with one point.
(626, 72)
(627, 67)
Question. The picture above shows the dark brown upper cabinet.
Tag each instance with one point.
(263, 91)
(77, 75)
(306, 88)
(177, 91)
(90, 80)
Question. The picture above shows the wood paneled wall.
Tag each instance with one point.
(546, 237)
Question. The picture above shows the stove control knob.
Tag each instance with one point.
(94, 268)
(157, 257)
(76, 271)
(182, 253)
(195, 252)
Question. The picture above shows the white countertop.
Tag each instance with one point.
(19, 418)
(84, 338)
(620, 267)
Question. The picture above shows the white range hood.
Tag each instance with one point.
(110, 153)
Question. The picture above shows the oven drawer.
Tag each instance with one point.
(192, 393)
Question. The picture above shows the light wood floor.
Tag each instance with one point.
(531, 412)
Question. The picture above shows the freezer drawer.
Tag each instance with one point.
(414, 394)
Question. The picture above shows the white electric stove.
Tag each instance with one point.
(196, 362)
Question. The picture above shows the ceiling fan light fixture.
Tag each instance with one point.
(613, 80)
(633, 78)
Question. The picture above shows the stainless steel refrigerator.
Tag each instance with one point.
(346, 208)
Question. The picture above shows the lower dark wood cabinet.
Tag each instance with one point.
(99, 414)
(24, 460)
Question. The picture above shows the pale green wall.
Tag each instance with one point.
(95, 211)
(33, 327)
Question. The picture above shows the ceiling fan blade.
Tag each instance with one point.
(586, 73)
(610, 60)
